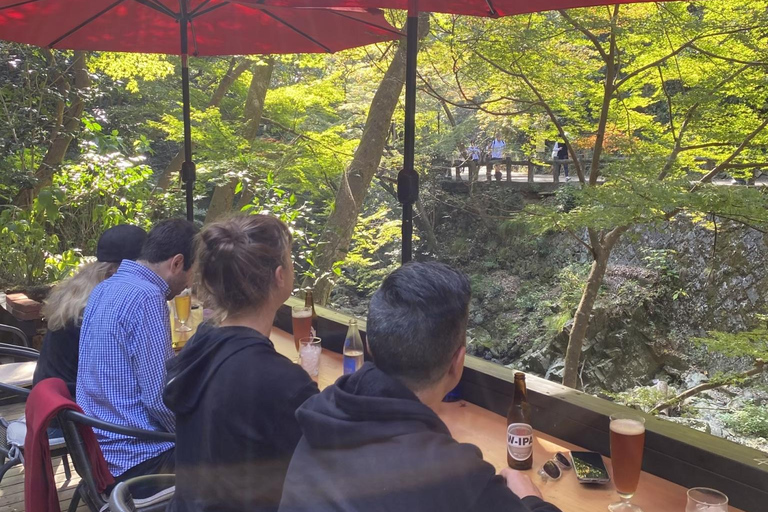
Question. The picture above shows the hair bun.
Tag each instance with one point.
(238, 258)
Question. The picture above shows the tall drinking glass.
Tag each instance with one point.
(302, 323)
(182, 304)
(701, 499)
(627, 440)
(310, 350)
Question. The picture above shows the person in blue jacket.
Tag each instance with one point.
(372, 442)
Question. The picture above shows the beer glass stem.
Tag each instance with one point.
(624, 505)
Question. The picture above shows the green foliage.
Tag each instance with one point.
(131, 68)
(269, 199)
(102, 189)
(373, 254)
(752, 420)
(752, 343)
(662, 261)
(25, 246)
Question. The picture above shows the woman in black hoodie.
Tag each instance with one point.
(234, 396)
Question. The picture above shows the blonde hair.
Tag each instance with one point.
(66, 303)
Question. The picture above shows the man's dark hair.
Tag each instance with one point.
(417, 320)
(169, 238)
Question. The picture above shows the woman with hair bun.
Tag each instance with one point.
(234, 396)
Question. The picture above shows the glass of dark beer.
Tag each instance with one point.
(627, 440)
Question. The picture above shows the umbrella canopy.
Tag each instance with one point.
(492, 8)
(215, 27)
(200, 27)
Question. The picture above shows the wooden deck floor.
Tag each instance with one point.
(12, 485)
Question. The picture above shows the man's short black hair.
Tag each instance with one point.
(167, 239)
(417, 320)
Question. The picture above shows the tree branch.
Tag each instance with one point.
(682, 47)
(719, 168)
(581, 28)
(758, 369)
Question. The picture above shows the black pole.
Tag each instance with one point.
(188, 167)
(408, 178)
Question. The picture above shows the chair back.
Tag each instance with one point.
(18, 333)
(71, 423)
(158, 490)
(77, 451)
(121, 500)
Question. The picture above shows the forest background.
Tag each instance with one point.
(640, 281)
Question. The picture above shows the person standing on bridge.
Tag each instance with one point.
(473, 152)
(560, 152)
(496, 147)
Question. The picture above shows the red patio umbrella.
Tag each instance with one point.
(408, 179)
(209, 27)
(492, 8)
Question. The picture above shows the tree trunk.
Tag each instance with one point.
(337, 234)
(64, 132)
(229, 78)
(224, 195)
(581, 320)
(602, 246)
(257, 93)
(425, 226)
(222, 200)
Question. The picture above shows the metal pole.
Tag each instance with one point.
(408, 178)
(188, 167)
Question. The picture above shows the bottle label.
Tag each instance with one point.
(519, 441)
(350, 365)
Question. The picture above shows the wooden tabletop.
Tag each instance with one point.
(485, 429)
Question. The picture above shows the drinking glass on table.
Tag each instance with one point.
(302, 323)
(701, 499)
(309, 356)
(182, 305)
(627, 440)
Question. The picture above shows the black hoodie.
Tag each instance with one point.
(370, 445)
(235, 400)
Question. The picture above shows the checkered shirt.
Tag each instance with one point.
(125, 341)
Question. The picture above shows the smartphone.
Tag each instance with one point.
(589, 468)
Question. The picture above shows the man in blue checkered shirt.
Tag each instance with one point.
(125, 341)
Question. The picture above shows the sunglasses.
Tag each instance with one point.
(552, 469)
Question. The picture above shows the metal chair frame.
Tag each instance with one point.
(121, 499)
(8, 457)
(16, 332)
(87, 490)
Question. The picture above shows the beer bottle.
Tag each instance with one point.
(353, 349)
(519, 430)
(310, 303)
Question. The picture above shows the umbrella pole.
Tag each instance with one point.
(408, 178)
(188, 167)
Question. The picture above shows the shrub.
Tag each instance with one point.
(752, 420)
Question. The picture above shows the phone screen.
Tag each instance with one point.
(589, 467)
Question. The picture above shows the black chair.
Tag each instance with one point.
(10, 455)
(158, 489)
(16, 332)
(23, 365)
(87, 490)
